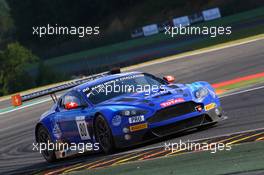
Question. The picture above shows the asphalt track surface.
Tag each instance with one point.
(245, 110)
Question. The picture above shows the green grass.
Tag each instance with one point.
(136, 43)
(241, 158)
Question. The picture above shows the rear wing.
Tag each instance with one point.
(51, 91)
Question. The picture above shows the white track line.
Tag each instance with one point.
(25, 106)
(243, 91)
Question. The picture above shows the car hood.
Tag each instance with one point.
(152, 99)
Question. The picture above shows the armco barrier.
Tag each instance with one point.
(61, 87)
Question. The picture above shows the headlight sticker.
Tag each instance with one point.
(136, 119)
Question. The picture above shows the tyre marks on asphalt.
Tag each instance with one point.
(134, 158)
(81, 166)
(247, 138)
(111, 161)
(155, 154)
(114, 160)
(102, 162)
(71, 168)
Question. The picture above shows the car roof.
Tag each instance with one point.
(104, 79)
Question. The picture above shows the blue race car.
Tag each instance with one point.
(123, 109)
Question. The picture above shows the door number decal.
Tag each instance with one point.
(82, 128)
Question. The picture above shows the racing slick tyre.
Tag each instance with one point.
(206, 126)
(103, 135)
(44, 137)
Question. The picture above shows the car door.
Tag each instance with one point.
(75, 122)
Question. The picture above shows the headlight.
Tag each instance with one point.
(201, 93)
(132, 112)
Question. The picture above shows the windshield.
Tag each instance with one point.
(137, 83)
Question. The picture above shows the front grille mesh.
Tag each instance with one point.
(178, 126)
(173, 111)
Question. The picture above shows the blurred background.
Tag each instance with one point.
(27, 61)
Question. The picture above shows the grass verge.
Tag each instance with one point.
(241, 158)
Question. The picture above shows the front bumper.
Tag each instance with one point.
(171, 126)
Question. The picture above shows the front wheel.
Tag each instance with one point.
(43, 138)
(104, 135)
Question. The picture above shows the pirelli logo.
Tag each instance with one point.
(138, 127)
(210, 106)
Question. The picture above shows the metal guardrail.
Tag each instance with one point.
(62, 87)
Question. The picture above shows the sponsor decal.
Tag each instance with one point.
(138, 127)
(56, 131)
(116, 120)
(210, 106)
(172, 102)
(136, 119)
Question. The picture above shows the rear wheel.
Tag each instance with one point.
(104, 135)
(44, 138)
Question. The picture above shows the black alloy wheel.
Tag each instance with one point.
(103, 135)
(43, 137)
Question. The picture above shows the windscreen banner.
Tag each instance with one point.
(211, 14)
(137, 33)
(181, 21)
(150, 30)
(196, 18)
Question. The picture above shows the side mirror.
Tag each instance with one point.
(71, 105)
(169, 78)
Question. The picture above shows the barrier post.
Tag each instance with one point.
(16, 100)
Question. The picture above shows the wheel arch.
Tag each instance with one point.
(36, 130)
(94, 119)
(40, 124)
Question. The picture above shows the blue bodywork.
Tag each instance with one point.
(62, 124)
